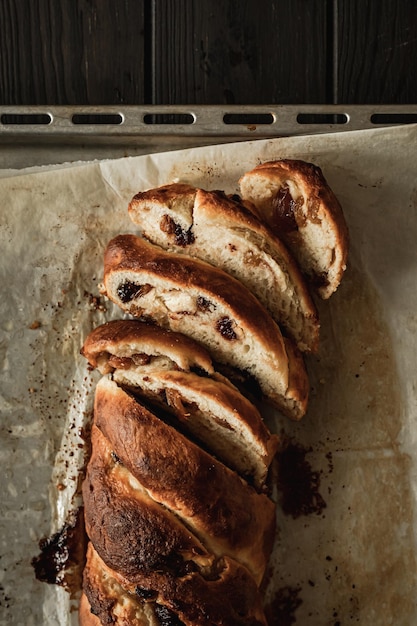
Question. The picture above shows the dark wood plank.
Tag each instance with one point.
(241, 51)
(216, 52)
(71, 52)
(377, 51)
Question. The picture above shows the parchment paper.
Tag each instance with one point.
(352, 560)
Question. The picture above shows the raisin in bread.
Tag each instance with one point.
(140, 357)
(188, 295)
(294, 198)
(217, 229)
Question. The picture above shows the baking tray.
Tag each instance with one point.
(42, 135)
(65, 137)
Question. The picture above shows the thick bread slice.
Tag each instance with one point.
(226, 514)
(214, 412)
(145, 543)
(230, 598)
(121, 344)
(295, 200)
(188, 295)
(217, 229)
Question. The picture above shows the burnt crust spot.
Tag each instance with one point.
(121, 533)
(100, 605)
(145, 594)
(167, 617)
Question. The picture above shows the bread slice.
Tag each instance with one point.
(139, 357)
(230, 597)
(224, 513)
(294, 198)
(127, 343)
(217, 229)
(188, 295)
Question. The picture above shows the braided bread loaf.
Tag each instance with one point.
(179, 522)
(171, 528)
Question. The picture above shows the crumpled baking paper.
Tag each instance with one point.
(351, 558)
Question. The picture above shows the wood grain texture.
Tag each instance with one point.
(102, 52)
(377, 51)
(71, 52)
(240, 51)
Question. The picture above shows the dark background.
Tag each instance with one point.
(127, 52)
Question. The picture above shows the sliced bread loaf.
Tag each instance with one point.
(217, 229)
(140, 357)
(188, 295)
(226, 514)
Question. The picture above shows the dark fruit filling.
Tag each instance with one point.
(224, 325)
(182, 237)
(128, 291)
(284, 208)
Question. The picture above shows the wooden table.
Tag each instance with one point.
(127, 52)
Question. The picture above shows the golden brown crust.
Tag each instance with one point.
(216, 207)
(225, 396)
(243, 333)
(212, 409)
(169, 193)
(228, 417)
(128, 529)
(226, 514)
(127, 337)
(320, 205)
(147, 547)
